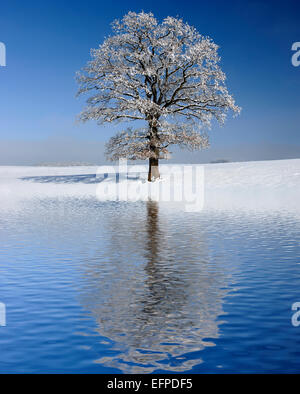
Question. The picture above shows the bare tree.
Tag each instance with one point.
(165, 74)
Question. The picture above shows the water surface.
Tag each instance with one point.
(141, 287)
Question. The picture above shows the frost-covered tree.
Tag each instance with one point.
(165, 74)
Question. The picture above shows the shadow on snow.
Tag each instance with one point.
(84, 178)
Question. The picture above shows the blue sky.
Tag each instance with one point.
(47, 42)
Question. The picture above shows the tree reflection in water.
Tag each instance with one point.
(155, 292)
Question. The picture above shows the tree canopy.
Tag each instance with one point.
(166, 74)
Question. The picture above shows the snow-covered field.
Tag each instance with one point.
(267, 185)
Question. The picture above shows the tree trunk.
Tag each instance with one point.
(153, 173)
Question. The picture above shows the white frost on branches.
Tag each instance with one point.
(134, 144)
(166, 74)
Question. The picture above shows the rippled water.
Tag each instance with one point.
(143, 287)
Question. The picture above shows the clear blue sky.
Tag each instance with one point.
(48, 41)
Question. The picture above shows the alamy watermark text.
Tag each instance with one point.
(296, 55)
(181, 183)
(296, 315)
(2, 314)
(2, 54)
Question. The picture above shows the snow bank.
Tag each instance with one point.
(271, 185)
